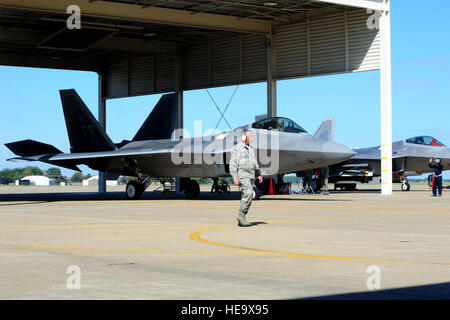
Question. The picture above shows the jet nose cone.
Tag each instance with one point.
(335, 152)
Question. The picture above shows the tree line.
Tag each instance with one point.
(8, 176)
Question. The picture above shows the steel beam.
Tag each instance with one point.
(110, 43)
(386, 103)
(271, 83)
(135, 45)
(41, 61)
(366, 4)
(179, 88)
(135, 12)
(102, 122)
(179, 92)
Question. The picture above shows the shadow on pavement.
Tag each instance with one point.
(440, 291)
(109, 196)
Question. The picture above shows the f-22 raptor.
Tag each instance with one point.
(410, 157)
(281, 145)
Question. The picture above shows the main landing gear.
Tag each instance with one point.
(135, 188)
(190, 187)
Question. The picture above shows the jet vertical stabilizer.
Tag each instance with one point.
(162, 120)
(85, 133)
(326, 130)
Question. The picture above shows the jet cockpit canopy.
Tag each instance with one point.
(426, 141)
(278, 124)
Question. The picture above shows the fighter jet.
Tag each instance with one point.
(410, 157)
(157, 150)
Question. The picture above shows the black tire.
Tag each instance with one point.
(225, 188)
(133, 191)
(406, 186)
(192, 190)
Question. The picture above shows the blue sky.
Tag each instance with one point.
(31, 107)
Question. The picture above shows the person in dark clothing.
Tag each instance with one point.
(307, 178)
(437, 176)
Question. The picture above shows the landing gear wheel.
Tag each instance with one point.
(406, 186)
(192, 189)
(133, 190)
(225, 187)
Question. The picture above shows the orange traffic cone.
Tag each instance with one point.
(271, 187)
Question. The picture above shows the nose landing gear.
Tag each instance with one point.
(405, 185)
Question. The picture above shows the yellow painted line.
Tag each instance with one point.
(196, 236)
(257, 252)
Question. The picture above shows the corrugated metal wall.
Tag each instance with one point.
(327, 38)
(336, 43)
(196, 70)
(363, 44)
(141, 75)
(340, 42)
(225, 61)
(117, 80)
(164, 73)
(291, 51)
(254, 58)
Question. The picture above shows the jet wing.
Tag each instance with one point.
(110, 154)
(375, 157)
(70, 160)
(373, 154)
(124, 152)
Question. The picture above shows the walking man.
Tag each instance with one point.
(244, 168)
(437, 176)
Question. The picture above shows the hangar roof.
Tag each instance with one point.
(280, 11)
(30, 27)
(222, 42)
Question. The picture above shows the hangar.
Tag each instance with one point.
(142, 47)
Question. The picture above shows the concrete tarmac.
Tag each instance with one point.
(354, 245)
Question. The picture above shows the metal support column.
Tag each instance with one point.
(102, 122)
(271, 84)
(386, 101)
(179, 92)
(180, 109)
